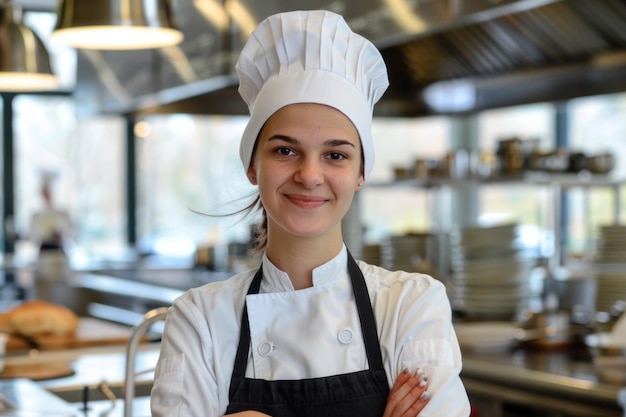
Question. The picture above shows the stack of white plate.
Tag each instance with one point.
(490, 279)
(611, 246)
(485, 336)
(610, 262)
(611, 287)
(411, 252)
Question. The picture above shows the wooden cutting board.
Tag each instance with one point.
(37, 371)
(91, 332)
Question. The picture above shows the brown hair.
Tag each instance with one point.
(259, 238)
(259, 242)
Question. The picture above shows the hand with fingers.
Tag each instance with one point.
(409, 395)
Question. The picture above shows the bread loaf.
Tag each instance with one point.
(36, 318)
(5, 323)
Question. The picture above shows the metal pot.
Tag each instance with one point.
(576, 291)
(546, 329)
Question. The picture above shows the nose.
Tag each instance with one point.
(309, 173)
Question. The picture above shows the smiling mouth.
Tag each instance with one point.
(306, 201)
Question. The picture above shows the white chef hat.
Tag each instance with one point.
(310, 57)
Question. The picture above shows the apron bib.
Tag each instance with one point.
(362, 393)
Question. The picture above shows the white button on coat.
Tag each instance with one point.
(265, 349)
(345, 336)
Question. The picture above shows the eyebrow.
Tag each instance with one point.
(329, 142)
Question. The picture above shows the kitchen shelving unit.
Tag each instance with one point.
(558, 185)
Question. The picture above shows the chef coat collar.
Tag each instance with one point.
(275, 280)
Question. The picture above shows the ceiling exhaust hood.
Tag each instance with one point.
(474, 54)
(551, 51)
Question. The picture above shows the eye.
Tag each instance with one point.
(336, 156)
(283, 151)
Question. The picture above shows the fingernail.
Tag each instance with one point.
(405, 370)
(425, 396)
(422, 377)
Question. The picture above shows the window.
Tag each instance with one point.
(85, 159)
(190, 164)
(596, 126)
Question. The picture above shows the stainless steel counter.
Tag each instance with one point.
(125, 295)
(24, 398)
(552, 382)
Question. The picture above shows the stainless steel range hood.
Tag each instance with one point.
(443, 55)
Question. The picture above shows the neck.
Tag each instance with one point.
(298, 256)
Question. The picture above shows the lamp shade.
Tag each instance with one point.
(115, 24)
(24, 61)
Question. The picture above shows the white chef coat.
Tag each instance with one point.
(50, 225)
(309, 333)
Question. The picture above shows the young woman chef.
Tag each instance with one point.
(311, 332)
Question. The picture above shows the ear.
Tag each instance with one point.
(252, 175)
(360, 181)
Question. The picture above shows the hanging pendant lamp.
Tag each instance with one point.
(115, 24)
(24, 61)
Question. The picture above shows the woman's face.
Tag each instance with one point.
(307, 164)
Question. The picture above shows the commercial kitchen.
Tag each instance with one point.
(501, 171)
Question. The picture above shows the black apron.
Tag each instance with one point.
(362, 393)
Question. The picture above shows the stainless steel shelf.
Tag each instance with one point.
(582, 179)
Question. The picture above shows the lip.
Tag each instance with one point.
(306, 201)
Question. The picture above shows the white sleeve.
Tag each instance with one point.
(184, 380)
(425, 339)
